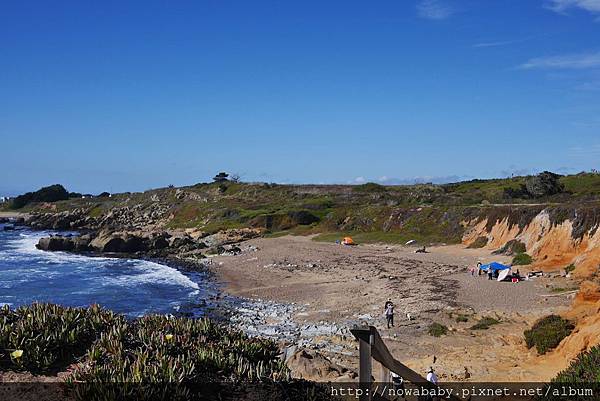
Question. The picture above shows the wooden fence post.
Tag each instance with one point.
(385, 374)
(365, 368)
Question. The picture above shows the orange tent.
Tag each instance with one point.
(348, 241)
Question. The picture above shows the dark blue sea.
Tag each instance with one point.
(129, 286)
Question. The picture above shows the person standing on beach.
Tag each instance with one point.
(490, 273)
(431, 376)
(389, 313)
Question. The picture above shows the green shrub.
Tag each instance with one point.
(437, 330)
(480, 242)
(512, 247)
(42, 337)
(569, 268)
(462, 318)
(52, 193)
(522, 259)
(547, 333)
(485, 323)
(584, 369)
(544, 184)
(582, 375)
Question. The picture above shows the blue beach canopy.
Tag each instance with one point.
(495, 266)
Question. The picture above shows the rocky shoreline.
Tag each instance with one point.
(192, 250)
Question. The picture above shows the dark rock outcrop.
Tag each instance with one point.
(76, 219)
(68, 244)
(120, 242)
(149, 244)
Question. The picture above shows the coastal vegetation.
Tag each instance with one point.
(480, 242)
(485, 323)
(584, 369)
(547, 333)
(522, 259)
(581, 377)
(51, 193)
(183, 352)
(512, 247)
(569, 268)
(437, 330)
(44, 337)
(369, 212)
(462, 318)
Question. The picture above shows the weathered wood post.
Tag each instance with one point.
(371, 346)
(385, 374)
(365, 368)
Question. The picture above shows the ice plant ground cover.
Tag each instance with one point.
(154, 357)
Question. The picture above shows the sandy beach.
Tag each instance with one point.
(12, 215)
(344, 285)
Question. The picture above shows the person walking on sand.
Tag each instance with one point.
(389, 313)
(389, 301)
(431, 376)
(490, 273)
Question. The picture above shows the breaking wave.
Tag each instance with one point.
(129, 286)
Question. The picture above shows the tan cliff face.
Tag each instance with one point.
(585, 310)
(553, 247)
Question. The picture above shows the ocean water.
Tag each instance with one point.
(129, 286)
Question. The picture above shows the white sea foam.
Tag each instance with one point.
(144, 272)
(153, 273)
(25, 245)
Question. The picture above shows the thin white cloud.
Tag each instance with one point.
(494, 44)
(561, 6)
(570, 61)
(434, 9)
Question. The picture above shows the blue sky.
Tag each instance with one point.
(130, 95)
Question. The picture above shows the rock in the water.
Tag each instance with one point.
(119, 242)
(68, 244)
